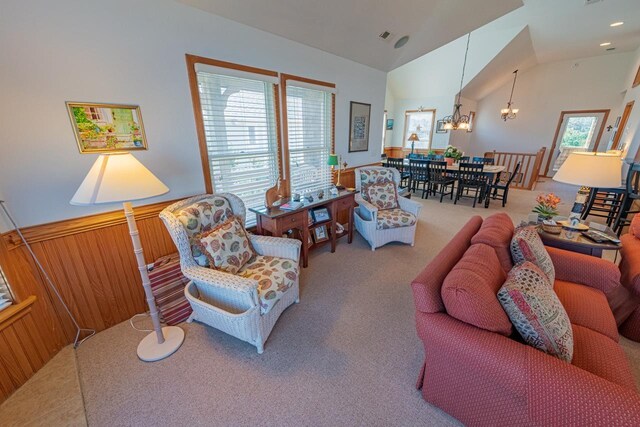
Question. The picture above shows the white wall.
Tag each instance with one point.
(133, 52)
(541, 94)
(631, 134)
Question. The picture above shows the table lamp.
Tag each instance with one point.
(334, 161)
(413, 138)
(589, 169)
(120, 177)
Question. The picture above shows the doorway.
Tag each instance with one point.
(622, 125)
(576, 131)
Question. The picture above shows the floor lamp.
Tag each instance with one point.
(120, 177)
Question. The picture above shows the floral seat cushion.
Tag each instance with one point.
(394, 218)
(201, 217)
(274, 275)
(373, 176)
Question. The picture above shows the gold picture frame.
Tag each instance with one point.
(102, 128)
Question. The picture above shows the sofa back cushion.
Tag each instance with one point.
(469, 290)
(634, 227)
(527, 245)
(426, 286)
(497, 231)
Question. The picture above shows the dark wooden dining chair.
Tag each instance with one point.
(465, 159)
(471, 178)
(604, 203)
(631, 196)
(439, 181)
(483, 160)
(419, 174)
(499, 189)
(398, 163)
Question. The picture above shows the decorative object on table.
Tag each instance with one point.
(333, 190)
(309, 198)
(472, 118)
(100, 128)
(333, 161)
(389, 124)
(510, 112)
(320, 215)
(359, 118)
(568, 224)
(440, 127)
(320, 233)
(550, 226)
(167, 285)
(120, 177)
(274, 194)
(457, 120)
(547, 206)
(413, 138)
(321, 194)
(291, 205)
(452, 154)
(295, 197)
(596, 170)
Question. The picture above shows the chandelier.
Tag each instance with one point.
(509, 112)
(457, 120)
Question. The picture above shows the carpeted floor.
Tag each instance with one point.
(346, 355)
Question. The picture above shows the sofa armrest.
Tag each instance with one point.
(630, 264)
(513, 382)
(584, 269)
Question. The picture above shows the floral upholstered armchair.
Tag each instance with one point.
(247, 302)
(382, 216)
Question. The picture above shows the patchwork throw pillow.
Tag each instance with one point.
(383, 195)
(227, 246)
(536, 311)
(526, 245)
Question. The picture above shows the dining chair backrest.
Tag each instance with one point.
(438, 157)
(465, 159)
(419, 169)
(437, 170)
(483, 160)
(633, 180)
(506, 178)
(471, 172)
(393, 162)
(416, 156)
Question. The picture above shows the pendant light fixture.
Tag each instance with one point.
(457, 120)
(510, 112)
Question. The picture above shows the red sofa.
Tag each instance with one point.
(630, 269)
(486, 378)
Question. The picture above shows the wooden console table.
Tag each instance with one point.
(276, 221)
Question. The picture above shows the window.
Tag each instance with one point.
(239, 127)
(420, 122)
(6, 298)
(309, 124)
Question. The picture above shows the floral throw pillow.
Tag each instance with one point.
(227, 246)
(526, 245)
(536, 312)
(383, 195)
(373, 176)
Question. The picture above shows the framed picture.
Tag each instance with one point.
(320, 215)
(310, 240)
(100, 128)
(389, 124)
(440, 127)
(310, 218)
(472, 119)
(320, 233)
(359, 118)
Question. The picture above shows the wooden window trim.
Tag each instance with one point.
(192, 60)
(636, 80)
(285, 127)
(404, 131)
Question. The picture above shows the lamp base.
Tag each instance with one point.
(150, 351)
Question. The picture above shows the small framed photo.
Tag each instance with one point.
(310, 240)
(389, 124)
(359, 117)
(440, 127)
(100, 128)
(310, 218)
(320, 234)
(320, 215)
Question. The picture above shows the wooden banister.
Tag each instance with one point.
(530, 164)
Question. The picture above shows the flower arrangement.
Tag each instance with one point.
(547, 205)
(452, 152)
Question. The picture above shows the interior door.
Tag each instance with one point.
(578, 131)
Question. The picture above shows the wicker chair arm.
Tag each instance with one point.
(220, 279)
(368, 211)
(276, 246)
(409, 205)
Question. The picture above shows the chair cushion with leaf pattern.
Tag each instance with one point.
(394, 218)
(274, 275)
(383, 195)
(227, 246)
(373, 176)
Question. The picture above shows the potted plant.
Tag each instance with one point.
(452, 154)
(547, 206)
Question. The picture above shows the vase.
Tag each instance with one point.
(449, 161)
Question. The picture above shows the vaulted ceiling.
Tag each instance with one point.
(351, 28)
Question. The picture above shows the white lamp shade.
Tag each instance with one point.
(117, 177)
(598, 170)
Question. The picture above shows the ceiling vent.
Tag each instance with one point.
(384, 35)
(590, 2)
(611, 48)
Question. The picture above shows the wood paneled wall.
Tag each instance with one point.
(91, 261)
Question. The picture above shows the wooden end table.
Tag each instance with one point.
(574, 241)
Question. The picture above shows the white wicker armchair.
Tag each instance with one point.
(225, 301)
(368, 219)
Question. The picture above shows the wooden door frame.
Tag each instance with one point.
(561, 119)
(623, 122)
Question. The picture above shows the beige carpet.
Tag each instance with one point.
(346, 355)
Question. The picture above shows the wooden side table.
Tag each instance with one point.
(574, 241)
(276, 221)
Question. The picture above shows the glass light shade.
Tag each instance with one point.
(600, 170)
(515, 110)
(117, 177)
(448, 126)
(463, 126)
(332, 160)
(504, 111)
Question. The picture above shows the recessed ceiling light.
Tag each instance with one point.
(605, 44)
(616, 24)
(401, 42)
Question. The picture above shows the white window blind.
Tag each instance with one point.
(421, 123)
(240, 131)
(6, 299)
(309, 121)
